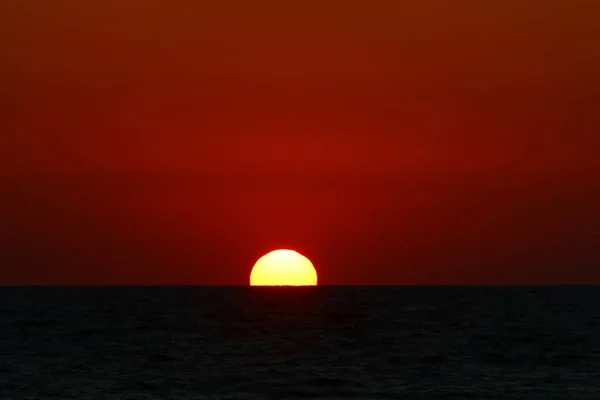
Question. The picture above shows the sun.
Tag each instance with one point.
(283, 268)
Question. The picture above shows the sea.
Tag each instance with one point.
(326, 342)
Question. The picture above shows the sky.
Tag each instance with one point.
(413, 142)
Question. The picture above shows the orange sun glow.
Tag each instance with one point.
(283, 268)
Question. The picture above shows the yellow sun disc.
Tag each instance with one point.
(283, 268)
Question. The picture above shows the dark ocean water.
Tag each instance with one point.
(277, 343)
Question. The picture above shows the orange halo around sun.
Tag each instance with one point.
(283, 268)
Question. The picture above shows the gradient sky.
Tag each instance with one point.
(423, 142)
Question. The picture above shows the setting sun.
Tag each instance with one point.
(283, 268)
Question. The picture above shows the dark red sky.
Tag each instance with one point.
(434, 142)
